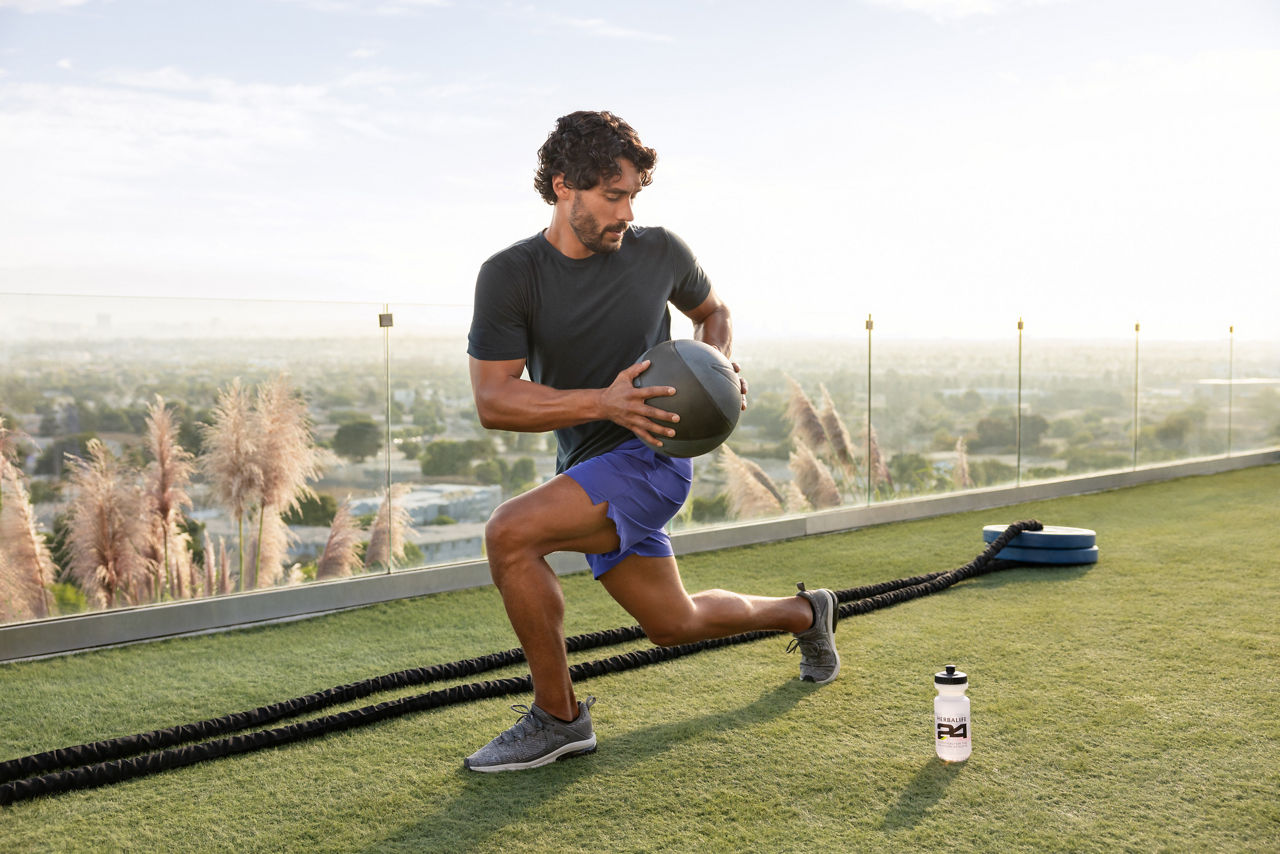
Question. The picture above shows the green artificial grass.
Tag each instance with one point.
(1129, 705)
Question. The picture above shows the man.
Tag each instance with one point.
(575, 305)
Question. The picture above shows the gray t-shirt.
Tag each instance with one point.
(578, 322)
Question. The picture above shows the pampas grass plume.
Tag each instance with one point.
(26, 567)
(286, 457)
(806, 425)
(230, 451)
(838, 438)
(877, 470)
(750, 491)
(270, 548)
(230, 458)
(104, 525)
(210, 566)
(813, 478)
(340, 551)
(960, 478)
(167, 479)
(224, 567)
(795, 500)
(286, 452)
(386, 538)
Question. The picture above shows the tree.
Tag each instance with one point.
(357, 440)
(446, 457)
(913, 473)
(429, 414)
(1175, 429)
(53, 458)
(521, 475)
(997, 430)
(1033, 429)
(315, 510)
(991, 472)
(970, 401)
(489, 472)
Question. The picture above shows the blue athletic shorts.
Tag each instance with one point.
(644, 490)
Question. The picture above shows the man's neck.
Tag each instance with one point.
(561, 236)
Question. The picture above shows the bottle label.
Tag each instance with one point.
(952, 730)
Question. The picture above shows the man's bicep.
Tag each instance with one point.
(490, 374)
(706, 308)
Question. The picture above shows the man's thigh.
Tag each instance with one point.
(556, 516)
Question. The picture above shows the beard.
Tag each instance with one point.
(591, 233)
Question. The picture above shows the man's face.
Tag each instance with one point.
(599, 216)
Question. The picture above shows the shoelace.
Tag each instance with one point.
(806, 647)
(526, 725)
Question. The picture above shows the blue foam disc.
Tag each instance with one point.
(1051, 537)
(1055, 556)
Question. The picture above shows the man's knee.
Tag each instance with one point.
(696, 622)
(672, 628)
(666, 634)
(506, 534)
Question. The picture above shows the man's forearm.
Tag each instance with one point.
(716, 329)
(529, 407)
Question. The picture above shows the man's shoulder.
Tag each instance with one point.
(651, 234)
(523, 251)
(660, 239)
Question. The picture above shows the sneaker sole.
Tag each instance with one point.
(567, 751)
(831, 629)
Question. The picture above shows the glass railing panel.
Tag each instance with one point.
(1254, 396)
(447, 473)
(778, 461)
(1182, 403)
(1077, 404)
(943, 410)
(88, 372)
(384, 406)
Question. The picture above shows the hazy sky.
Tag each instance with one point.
(945, 165)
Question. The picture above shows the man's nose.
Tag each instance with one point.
(624, 211)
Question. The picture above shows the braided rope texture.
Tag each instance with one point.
(113, 760)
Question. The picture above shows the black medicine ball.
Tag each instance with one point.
(708, 397)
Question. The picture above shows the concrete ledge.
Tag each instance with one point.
(62, 635)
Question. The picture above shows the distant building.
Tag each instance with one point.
(427, 502)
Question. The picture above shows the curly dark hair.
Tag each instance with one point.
(585, 148)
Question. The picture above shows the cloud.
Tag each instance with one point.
(384, 80)
(954, 9)
(33, 6)
(146, 125)
(604, 29)
(390, 8)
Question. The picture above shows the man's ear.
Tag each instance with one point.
(562, 190)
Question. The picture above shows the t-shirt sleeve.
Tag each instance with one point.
(499, 320)
(691, 284)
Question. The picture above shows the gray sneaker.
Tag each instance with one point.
(819, 661)
(535, 740)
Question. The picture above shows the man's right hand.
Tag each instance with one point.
(624, 404)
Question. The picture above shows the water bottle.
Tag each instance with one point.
(951, 716)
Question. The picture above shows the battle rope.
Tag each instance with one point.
(97, 763)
